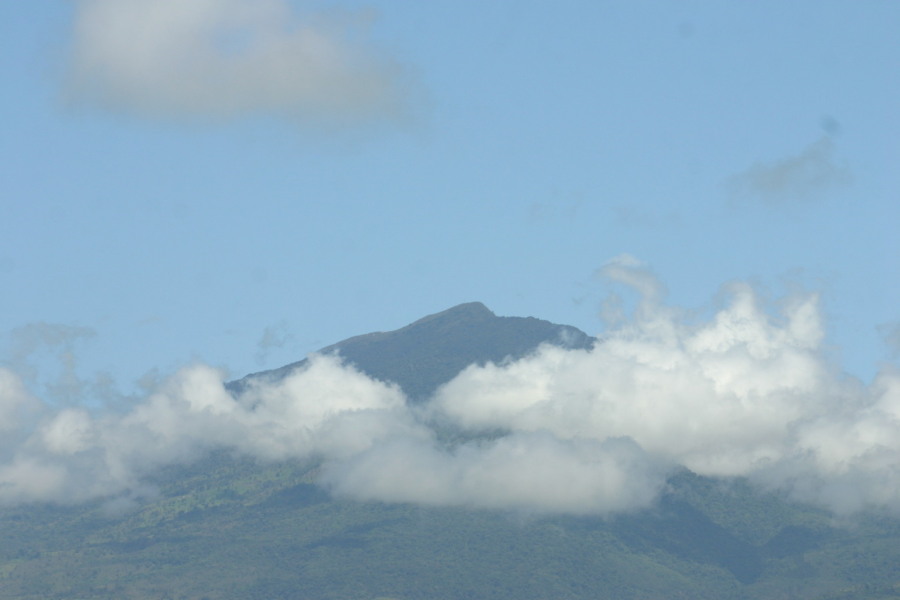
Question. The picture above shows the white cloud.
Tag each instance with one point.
(71, 431)
(533, 472)
(70, 455)
(747, 393)
(328, 408)
(848, 459)
(717, 398)
(630, 271)
(225, 58)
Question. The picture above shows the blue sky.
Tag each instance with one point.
(240, 183)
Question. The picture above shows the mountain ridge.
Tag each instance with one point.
(430, 351)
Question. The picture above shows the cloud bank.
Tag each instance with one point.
(73, 454)
(747, 392)
(226, 58)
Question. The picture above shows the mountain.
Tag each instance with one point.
(228, 527)
(425, 354)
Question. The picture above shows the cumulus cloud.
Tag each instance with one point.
(717, 398)
(848, 459)
(804, 176)
(225, 58)
(747, 392)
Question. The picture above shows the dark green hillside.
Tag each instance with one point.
(425, 354)
(235, 530)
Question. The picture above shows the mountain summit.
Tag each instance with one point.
(425, 354)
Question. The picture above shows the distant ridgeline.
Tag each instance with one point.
(430, 352)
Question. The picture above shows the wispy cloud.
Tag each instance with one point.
(632, 215)
(274, 337)
(890, 332)
(804, 176)
(226, 58)
(30, 343)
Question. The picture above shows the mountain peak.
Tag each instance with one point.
(465, 311)
(431, 351)
(468, 308)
